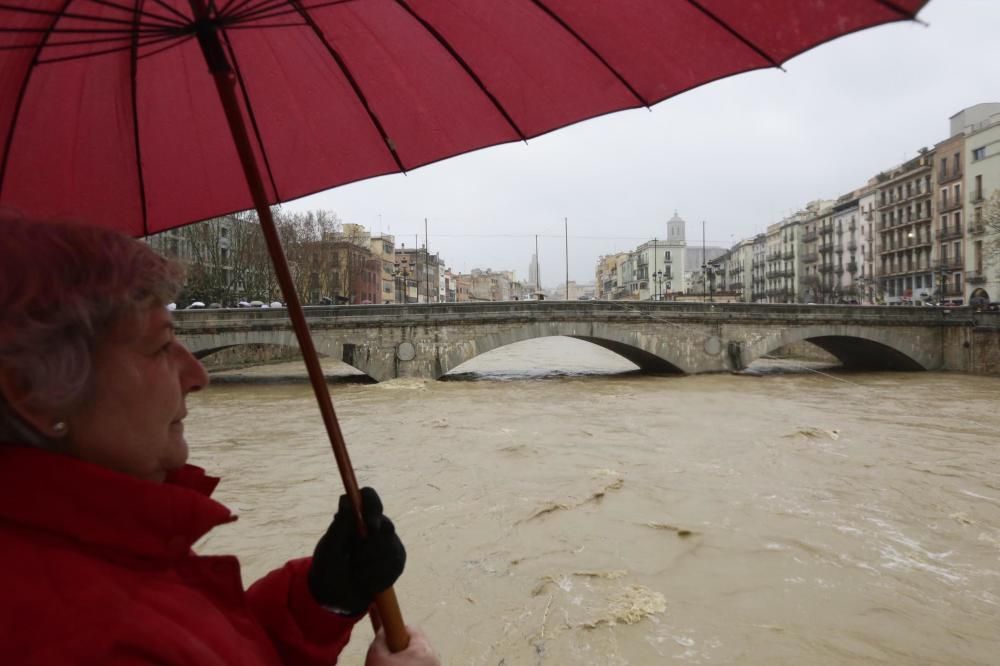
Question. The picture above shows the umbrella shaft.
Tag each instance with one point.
(387, 612)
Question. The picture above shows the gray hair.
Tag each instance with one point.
(63, 286)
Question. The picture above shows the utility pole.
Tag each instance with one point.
(416, 264)
(566, 232)
(654, 268)
(427, 274)
(538, 280)
(704, 264)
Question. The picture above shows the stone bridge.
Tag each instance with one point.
(388, 341)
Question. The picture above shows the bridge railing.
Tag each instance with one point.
(257, 318)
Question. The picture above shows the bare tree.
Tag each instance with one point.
(991, 228)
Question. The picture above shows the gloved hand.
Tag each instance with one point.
(348, 571)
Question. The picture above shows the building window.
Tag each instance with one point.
(979, 153)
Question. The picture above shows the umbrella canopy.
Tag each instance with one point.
(109, 114)
(146, 115)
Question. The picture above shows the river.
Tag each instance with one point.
(558, 509)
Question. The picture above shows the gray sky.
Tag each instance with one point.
(739, 153)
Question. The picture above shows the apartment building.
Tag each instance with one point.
(758, 269)
(980, 126)
(846, 244)
(904, 210)
(384, 251)
(418, 274)
(782, 241)
(866, 281)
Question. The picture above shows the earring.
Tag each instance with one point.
(60, 428)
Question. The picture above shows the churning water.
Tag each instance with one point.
(559, 509)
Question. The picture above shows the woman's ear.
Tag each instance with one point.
(15, 391)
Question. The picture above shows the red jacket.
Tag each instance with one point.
(96, 567)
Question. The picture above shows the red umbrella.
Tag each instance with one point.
(109, 114)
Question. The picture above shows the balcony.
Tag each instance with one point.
(949, 233)
(788, 255)
(950, 264)
(907, 195)
(949, 175)
(826, 268)
(977, 229)
(852, 246)
(852, 267)
(826, 247)
(976, 197)
(946, 204)
(810, 258)
(809, 237)
(975, 277)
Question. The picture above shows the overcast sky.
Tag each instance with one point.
(738, 154)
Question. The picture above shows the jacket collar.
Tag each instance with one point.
(105, 509)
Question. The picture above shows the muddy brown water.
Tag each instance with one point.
(558, 511)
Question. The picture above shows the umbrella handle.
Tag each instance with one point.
(386, 604)
(387, 610)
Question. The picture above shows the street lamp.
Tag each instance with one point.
(657, 281)
(943, 276)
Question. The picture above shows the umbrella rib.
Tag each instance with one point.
(183, 40)
(250, 113)
(75, 42)
(732, 31)
(91, 54)
(251, 14)
(237, 26)
(262, 7)
(18, 105)
(353, 83)
(186, 20)
(902, 12)
(73, 15)
(224, 10)
(125, 8)
(593, 51)
(133, 83)
(894, 7)
(446, 45)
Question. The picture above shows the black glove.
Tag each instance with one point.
(348, 571)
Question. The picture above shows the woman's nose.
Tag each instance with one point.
(194, 377)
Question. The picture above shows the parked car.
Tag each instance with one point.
(196, 305)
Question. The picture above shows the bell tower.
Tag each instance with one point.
(675, 229)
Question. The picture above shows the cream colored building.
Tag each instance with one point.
(867, 281)
(384, 250)
(981, 164)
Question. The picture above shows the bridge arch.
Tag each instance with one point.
(870, 349)
(203, 345)
(652, 354)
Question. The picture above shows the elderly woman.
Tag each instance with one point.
(98, 508)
